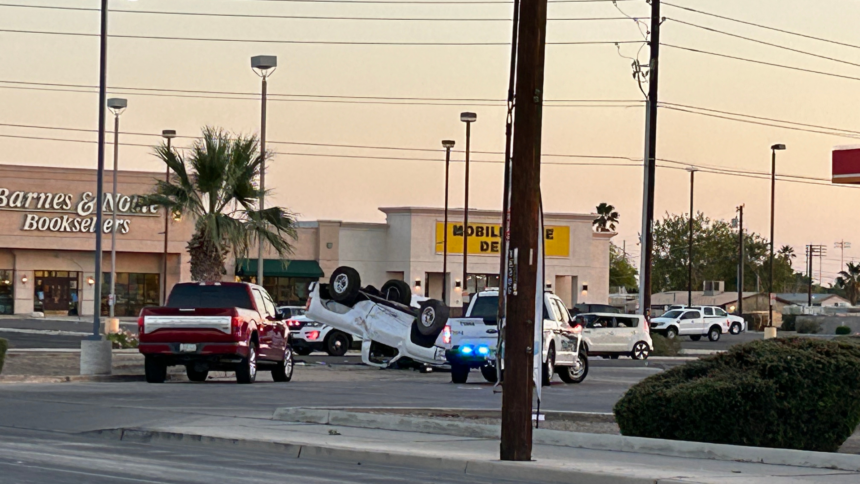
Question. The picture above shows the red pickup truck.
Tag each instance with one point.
(222, 326)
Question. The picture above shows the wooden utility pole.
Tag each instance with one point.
(740, 260)
(516, 444)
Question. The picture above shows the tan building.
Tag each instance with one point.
(47, 242)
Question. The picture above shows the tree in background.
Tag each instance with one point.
(715, 256)
(216, 185)
(786, 252)
(849, 281)
(621, 272)
(607, 218)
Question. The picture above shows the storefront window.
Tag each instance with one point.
(286, 291)
(480, 282)
(133, 293)
(56, 292)
(7, 292)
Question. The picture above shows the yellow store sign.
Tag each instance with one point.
(487, 239)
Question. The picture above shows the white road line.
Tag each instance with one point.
(46, 332)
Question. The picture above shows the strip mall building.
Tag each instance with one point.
(47, 238)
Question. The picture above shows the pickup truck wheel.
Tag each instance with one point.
(459, 373)
(247, 370)
(337, 343)
(671, 333)
(397, 291)
(641, 350)
(575, 373)
(548, 368)
(284, 371)
(156, 372)
(194, 375)
(714, 333)
(696, 337)
(432, 318)
(489, 373)
(344, 285)
(736, 328)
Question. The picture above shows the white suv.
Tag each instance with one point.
(689, 322)
(615, 335)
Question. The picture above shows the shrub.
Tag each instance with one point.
(843, 330)
(806, 326)
(664, 346)
(789, 322)
(795, 393)
(4, 345)
(123, 340)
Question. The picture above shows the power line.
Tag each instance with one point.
(299, 17)
(760, 123)
(750, 39)
(775, 29)
(308, 42)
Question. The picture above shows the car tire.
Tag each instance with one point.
(459, 373)
(303, 351)
(714, 333)
(548, 368)
(337, 343)
(194, 375)
(489, 373)
(344, 285)
(246, 372)
(641, 351)
(156, 372)
(432, 318)
(284, 371)
(397, 291)
(736, 329)
(577, 373)
(696, 337)
(671, 333)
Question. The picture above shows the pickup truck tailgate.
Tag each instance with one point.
(222, 324)
(473, 331)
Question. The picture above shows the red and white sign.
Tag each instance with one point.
(846, 164)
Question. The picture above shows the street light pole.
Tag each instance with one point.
(773, 150)
(167, 134)
(692, 171)
(117, 106)
(467, 118)
(97, 306)
(261, 65)
(448, 144)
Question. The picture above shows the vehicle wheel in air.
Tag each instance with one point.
(696, 337)
(156, 372)
(284, 371)
(671, 333)
(459, 373)
(344, 285)
(641, 351)
(432, 318)
(303, 351)
(714, 333)
(194, 375)
(575, 373)
(736, 328)
(337, 343)
(489, 373)
(247, 370)
(397, 291)
(548, 368)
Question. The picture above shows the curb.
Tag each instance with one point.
(617, 443)
(522, 471)
(12, 379)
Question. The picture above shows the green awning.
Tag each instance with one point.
(279, 268)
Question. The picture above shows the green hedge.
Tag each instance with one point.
(4, 345)
(664, 346)
(795, 393)
(843, 330)
(789, 322)
(808, 327)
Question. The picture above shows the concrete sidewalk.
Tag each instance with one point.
(471, 455)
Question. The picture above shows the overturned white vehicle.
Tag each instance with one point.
(392, 323)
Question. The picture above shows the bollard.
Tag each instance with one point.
(770, 332)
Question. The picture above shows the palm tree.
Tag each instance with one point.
(849, 280)
(607, 218)
(216, 186)
(786, 252)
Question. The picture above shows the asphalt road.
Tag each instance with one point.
(40, 457)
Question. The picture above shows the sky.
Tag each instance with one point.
(311, 181)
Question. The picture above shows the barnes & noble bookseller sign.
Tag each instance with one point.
(65, 212)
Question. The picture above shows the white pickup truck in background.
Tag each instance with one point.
(471, 342)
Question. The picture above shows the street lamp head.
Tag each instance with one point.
(468, 117)
(448, 143)
(117, 104)
(692, 169)
(778, 147)
(168, 133)
(264, 62)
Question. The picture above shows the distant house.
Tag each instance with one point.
(726, 300)
(823, 300)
